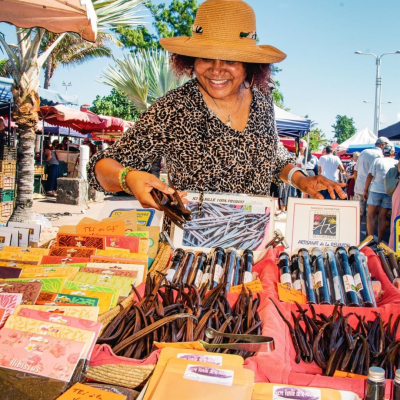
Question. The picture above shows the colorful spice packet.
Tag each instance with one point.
(46, 299)
(82, 312)
(29, 290)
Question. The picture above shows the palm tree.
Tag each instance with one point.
(143, 77)
(26, 64)
(73, 51)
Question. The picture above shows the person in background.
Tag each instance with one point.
(395, 212)
(53, 171)
(378, 201)
(350, 176)
(309, 163)
(64, 144)
(329, 167)
(92, 146)
(361, 170)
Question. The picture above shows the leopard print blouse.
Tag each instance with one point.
(200, 151)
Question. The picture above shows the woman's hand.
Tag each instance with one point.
(141, 184)
(312, 185)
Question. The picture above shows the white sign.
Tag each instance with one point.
(34, 230)
(226, 220)
(322, 223)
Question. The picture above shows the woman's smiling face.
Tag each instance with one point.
(220, 79)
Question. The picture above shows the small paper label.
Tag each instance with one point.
(170, 275)
(205, 374)
(336, 287)
(395, 273)
(297, 285)
(216, 360)
(298, 393)
(286, 280)
(254, 286)
(218, 273)
(205, 278)
(180, 345)
(358, 283)
(248, 277)
(199, 277)
(290, 295)
(348, 281)
(343, 374)
(318, 282)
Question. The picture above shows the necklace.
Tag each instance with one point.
(229, 122)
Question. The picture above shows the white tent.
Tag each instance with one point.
(365, 136)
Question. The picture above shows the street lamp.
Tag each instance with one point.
(378, 86)
(66, 86)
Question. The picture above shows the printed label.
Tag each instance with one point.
(318, 282)
(395, 273)
(248, 277)
(205, 374)
(286, 279)
(284, 392)
(336, 287)
(170, 275)
(358, 283)
(198, 279)
(303, 287)
(348, 281)
(205, 278)
(218, 273)
(297, 285)
(216, 360)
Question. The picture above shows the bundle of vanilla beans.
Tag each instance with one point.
(180, 313)
(333, 344)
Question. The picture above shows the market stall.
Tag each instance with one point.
(342, 324)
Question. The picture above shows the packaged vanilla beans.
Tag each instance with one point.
(336, 281)
(219, 266)
(184, 379)
(321, 283)
(305, 268)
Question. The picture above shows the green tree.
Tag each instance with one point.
(317, 137)
(115, 104)
(343, 128)
(278, 96)
(74, 51)
(5, 68)
(176, 19)
(26, 60)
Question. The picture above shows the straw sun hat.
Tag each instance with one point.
(224, 30)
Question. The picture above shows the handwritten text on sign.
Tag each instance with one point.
(102, 229)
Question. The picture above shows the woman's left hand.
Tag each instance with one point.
(312, 185)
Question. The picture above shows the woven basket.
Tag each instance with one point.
(108, 368)
(161, 261)
(121, 375)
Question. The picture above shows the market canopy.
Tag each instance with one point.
(356, 147)
(364, 136)
(288, 124)
(47, 97)
(81, 121)
(57, 130)
(391, 132)
(56, 16)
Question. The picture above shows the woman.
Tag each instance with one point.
(350, 176)
(53, 170)
(216, 132)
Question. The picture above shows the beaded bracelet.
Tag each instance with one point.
(123, 173)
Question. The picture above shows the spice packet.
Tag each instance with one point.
(191, 355)
(190, 380)
(83, 312)
(274, 391)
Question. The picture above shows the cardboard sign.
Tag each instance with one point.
(239, 221)
(328, 223)
(290, 295)
(102, 229)
(84, 392)
(255, 287)
(14, 234)
(5, 239)
(128, 217)
(33, 229)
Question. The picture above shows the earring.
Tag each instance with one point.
(247, 85)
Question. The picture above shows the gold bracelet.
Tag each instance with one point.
(123, 173)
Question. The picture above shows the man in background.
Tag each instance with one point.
(329, 167)
(362, 168)
(378, 201)
(92, 146)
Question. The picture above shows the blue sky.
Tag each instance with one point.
(321, 77)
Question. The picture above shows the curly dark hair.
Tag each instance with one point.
(257, 74)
